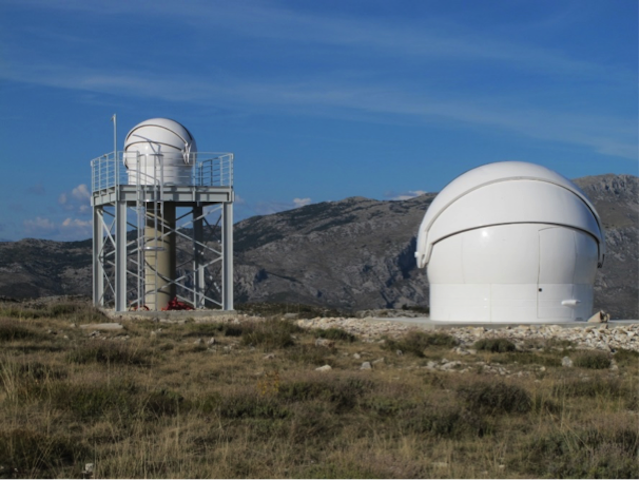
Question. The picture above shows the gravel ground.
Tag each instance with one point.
(599, 336)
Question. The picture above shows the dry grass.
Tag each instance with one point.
(153, 401)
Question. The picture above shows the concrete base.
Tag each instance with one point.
(168, 314)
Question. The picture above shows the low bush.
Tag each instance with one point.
(495, 398)
(589, 387)
(108, 352)
(248, 404)
(495, 345)
(162, 402)
(334, 333)
(417, 342)
(270, 334)
(11, 330)
(584, 453)
(342, 393)
(213, 329)
(593, 359)
(311, 355)
(97, 400)
(443, 421)
(626, 357)
(26, 453)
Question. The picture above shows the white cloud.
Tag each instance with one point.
(78, 200)
(81, 192)
(76, 223)
(408, 195)
(301, 202)
(38, 226)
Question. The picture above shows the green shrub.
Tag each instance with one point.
(251, 405)
(11, 330)
(108, 352)
(310, 355)
(495, 345)
(213, 329)
(26, 453)
(417, 342)
(443, 421)
(591, 387)
(334, 333)
(98, 400)
(163, 402)
(342, 393)
(584, 453)
(593, 359)
(626, 357)
(495, 398)
(270, 334)
(22, 313)
(346, 470)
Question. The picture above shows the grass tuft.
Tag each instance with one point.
(417, 342)
(495, 345)
(334, 333)
(270, 334)
(592, 359)
(11, 330)
(108, 352)
(495, 398)
(26, 453)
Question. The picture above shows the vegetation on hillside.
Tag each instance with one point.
(244, 399)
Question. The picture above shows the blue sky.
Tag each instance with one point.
(318, 100)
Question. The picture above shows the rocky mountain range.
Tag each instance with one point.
(353, 254)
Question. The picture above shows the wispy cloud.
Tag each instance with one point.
(77, 200)
(342, 81)
(301, 202)
(38, 226)
(407, 195)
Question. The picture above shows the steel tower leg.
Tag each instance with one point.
(198, 258)
(98, 257)
(227, 256)
(121, 257)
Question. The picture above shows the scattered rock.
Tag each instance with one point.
(567, 362)
(379, 360)
(324, 368)
(323, 342)
(211, 341)
(199, 341)
(269, 356)
(103, 326)
(399, 353)
(356, 356)
(365, 366)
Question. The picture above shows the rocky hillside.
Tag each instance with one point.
(356, 253)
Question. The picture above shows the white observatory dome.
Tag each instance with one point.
(159, 150)
(511, 242)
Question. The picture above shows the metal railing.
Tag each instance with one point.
(208, 170)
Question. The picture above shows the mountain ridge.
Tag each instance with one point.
(356, 253)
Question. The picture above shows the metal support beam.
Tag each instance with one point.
(121, 257)
(198, 258)
(98, 256)
(227, 256)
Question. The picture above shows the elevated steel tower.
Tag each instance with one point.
(162, 222)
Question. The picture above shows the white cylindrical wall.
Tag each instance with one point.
(525, 273)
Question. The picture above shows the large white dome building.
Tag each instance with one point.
(511, 242)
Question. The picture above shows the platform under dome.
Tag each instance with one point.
(511, 242)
